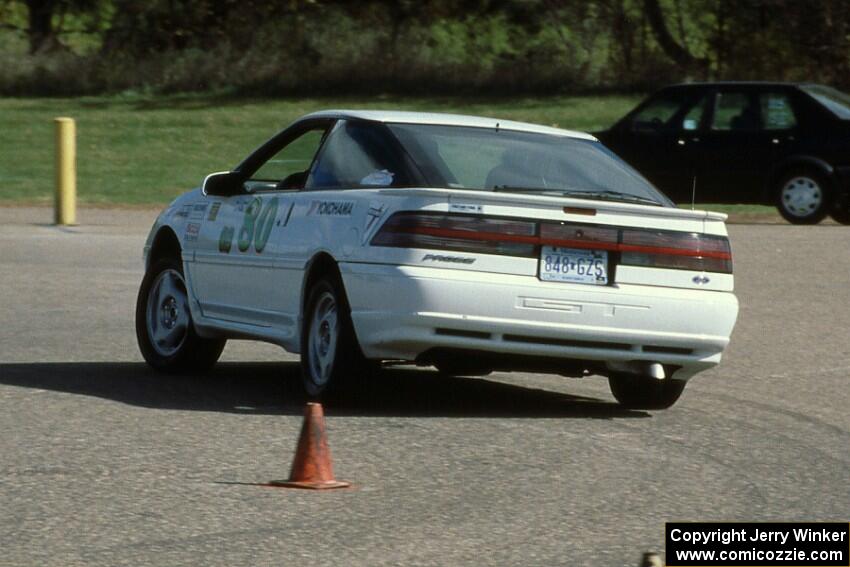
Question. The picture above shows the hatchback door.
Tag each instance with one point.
(240, 245)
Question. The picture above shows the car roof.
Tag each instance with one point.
(704, 85)
(440, 119)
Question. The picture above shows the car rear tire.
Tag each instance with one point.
(803, 197)
(644, 392)
(331, 358)
(164, 328)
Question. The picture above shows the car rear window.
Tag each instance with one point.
(834, 100)
(490, 159)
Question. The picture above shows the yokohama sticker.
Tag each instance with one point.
(331, 208)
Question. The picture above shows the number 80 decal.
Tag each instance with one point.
(256, 227)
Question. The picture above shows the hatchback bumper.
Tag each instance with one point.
(400, 312)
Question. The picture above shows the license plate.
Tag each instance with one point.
(573, 265)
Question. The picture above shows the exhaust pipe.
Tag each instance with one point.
(639, 367)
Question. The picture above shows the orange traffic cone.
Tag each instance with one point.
(312, 465)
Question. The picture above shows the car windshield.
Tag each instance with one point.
(836, 101)
(486, 159)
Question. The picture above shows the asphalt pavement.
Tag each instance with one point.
(103, 462)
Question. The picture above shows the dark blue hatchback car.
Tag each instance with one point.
(741, 142)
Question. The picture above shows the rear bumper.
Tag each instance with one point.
(400, 312)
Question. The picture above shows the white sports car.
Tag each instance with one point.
(471, 244)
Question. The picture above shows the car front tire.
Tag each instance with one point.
(330, 354)
(644, 392)
(164, 328)
(803, 197)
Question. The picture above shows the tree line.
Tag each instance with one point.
(422, 46)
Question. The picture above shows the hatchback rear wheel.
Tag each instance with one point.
(330, 355)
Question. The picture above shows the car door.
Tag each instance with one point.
(779, 120)
(661, 140)
(238, 255)
(736, 150)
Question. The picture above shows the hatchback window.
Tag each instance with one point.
(292, 161)
(359, 154)
(776, 111)
(489, 159)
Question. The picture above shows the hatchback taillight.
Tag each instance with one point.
(462, 233)
(518, 237)
(677, 250)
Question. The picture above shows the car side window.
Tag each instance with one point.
(776, 111)
(358, 154)
(735, 111)
(692, 118)
(657, 114)
(290, 166)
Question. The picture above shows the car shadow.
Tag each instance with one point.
(274, 388)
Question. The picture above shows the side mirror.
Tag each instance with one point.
(223, 183)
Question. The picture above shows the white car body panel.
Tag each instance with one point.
(403, 303)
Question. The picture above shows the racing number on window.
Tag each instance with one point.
(256, 227)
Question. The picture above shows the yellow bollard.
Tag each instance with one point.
(65, 207)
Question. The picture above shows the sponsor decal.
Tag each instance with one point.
(449, 259)
(465, 208)
(192, 231)
(198, 211)
(184, 211)
(331, 208)
(373, 215)
(214, 211)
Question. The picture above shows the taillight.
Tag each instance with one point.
(677, 250)
(461, 233)
(511, 237)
